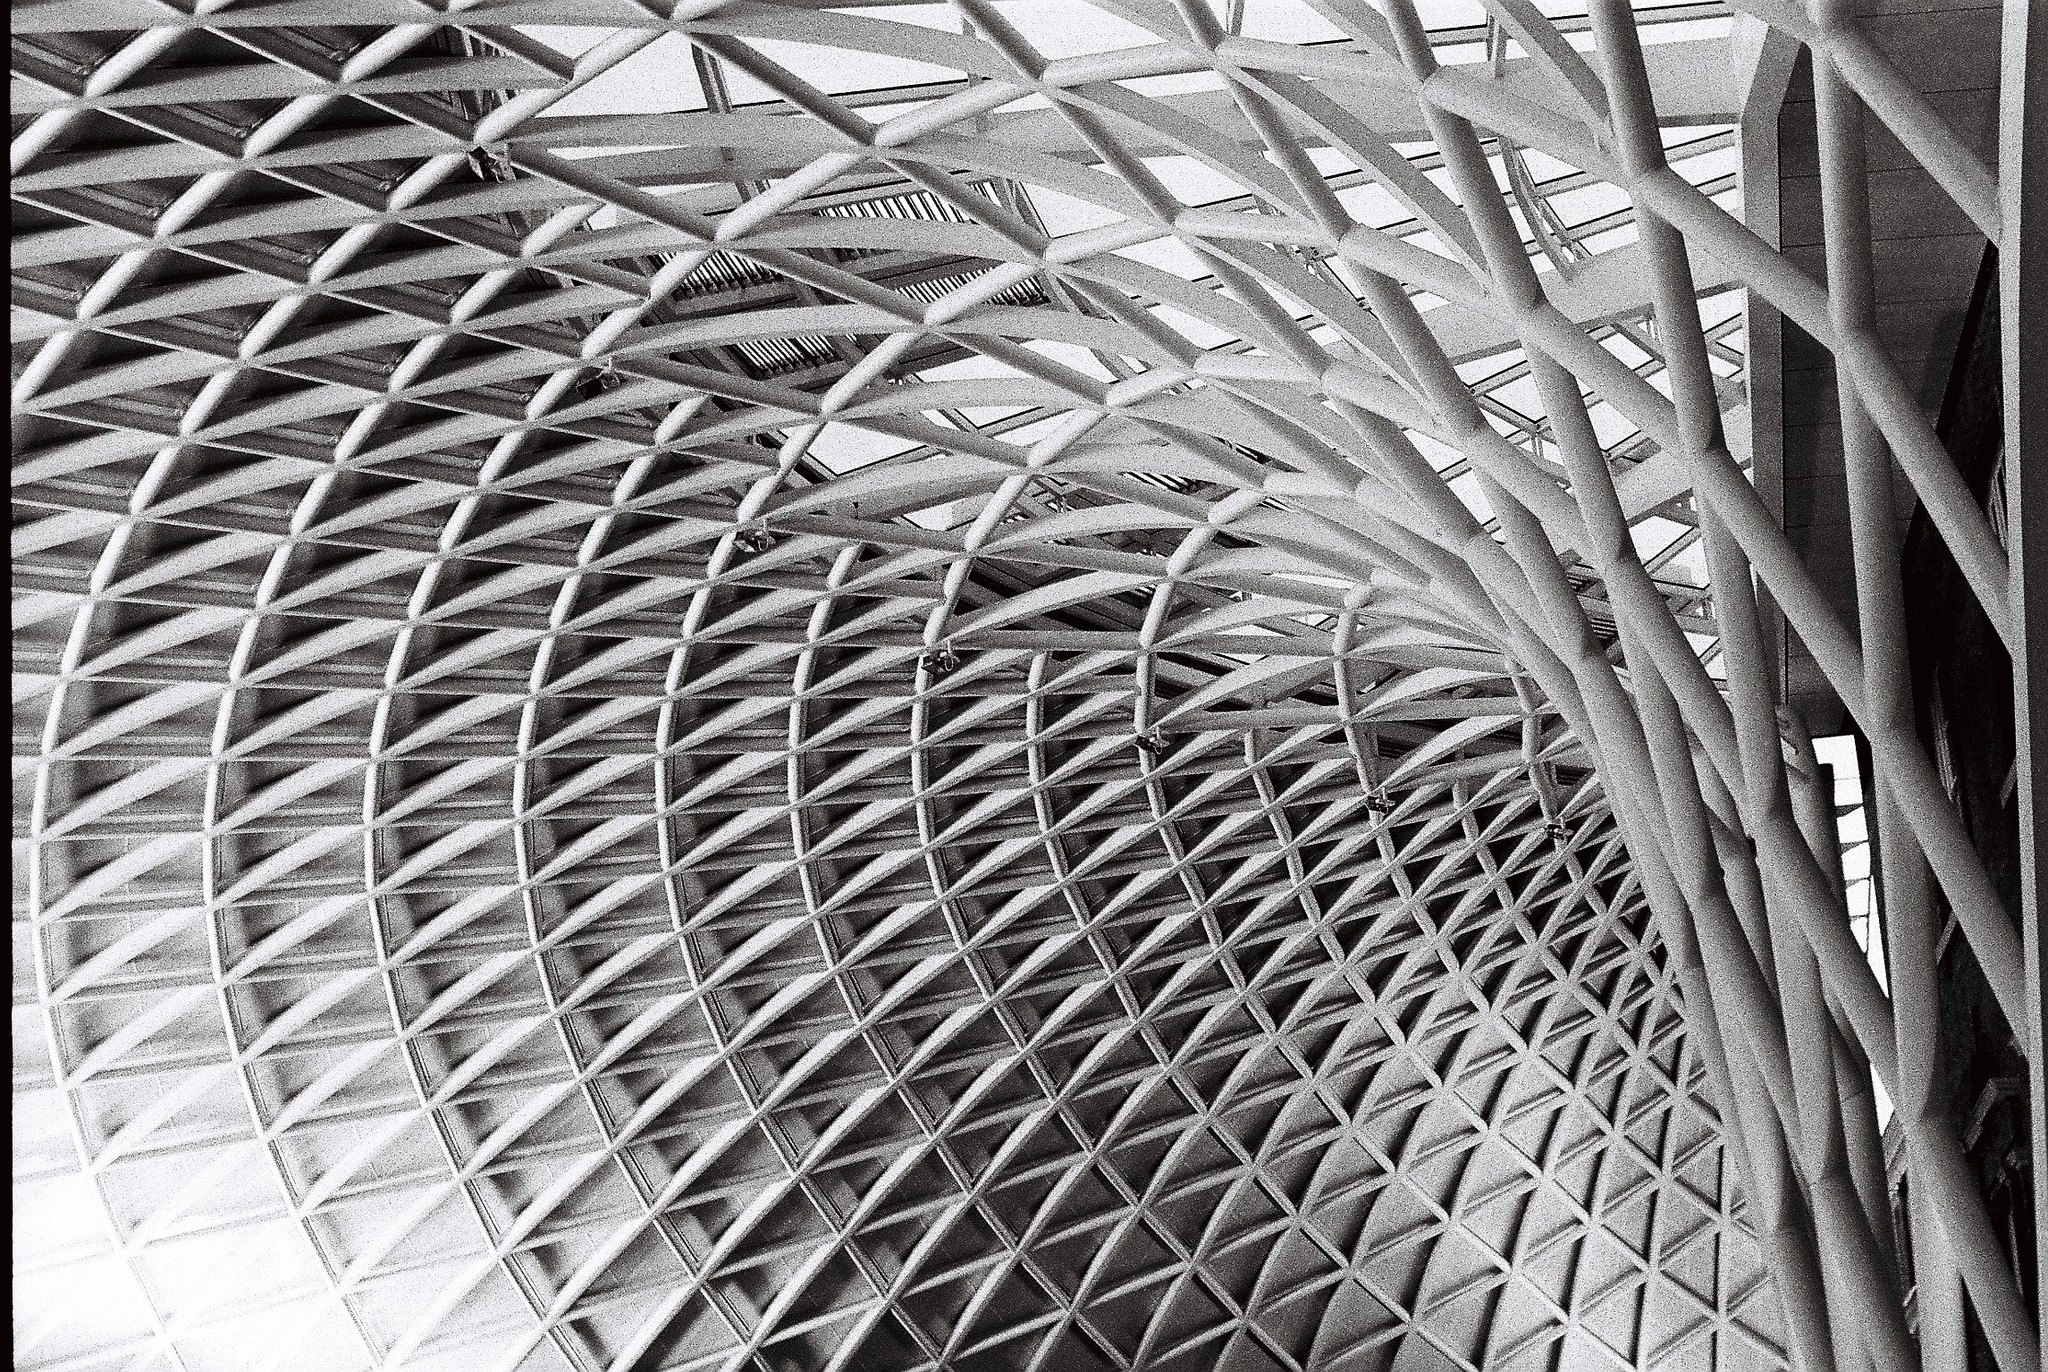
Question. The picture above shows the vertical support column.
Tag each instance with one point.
(1888, 692)
(1764, 58)
(2023, 352)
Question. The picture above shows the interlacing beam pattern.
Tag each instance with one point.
(1036, 684)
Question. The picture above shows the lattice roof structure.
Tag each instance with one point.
(1039, 684)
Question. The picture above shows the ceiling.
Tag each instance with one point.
(739, 685)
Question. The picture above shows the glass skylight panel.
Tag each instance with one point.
(1372, 205)
(1623, 347)
(1071, 28)
(1072, 356)
(1286, 21)
(1689, 565)
(1587, 203)
(1170, 255)
(837, 71)
(1200, 332)
(1479, 371)
(1430, 242)
(1064, 214)
(1024, 435)
(660, 78)
(1609, 425)
(1521, 394)
(1442, 456)
(1608, 240)
(1543, 167)
(974, 366)
(1466, 54)
(1468, 489)
(1720, 307)
(1651, 536)
(1327, 160)
(1192, 181)
(843, 448)
(1711, 163)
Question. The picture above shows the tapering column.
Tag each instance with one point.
(2023, 350)
(1888, 703)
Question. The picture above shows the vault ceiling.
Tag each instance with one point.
(737, 685)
